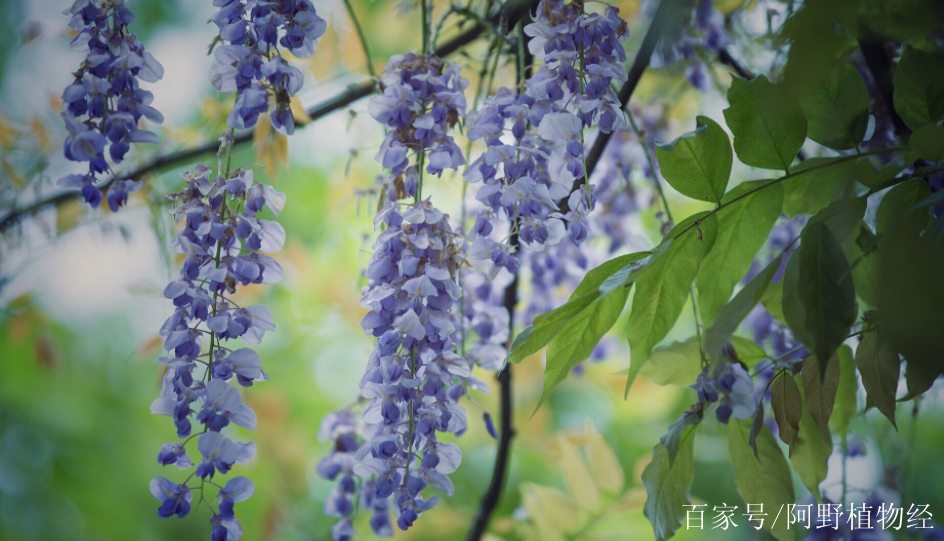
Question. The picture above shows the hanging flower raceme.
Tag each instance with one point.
(415, 375)
(103, 106)
(249, 61)
(525, 176)
(534, 155)
(225, 244)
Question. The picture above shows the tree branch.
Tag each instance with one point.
(511, 12)
(877, 61)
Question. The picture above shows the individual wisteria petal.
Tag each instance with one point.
(104, 104)
(175, 499)
(250, 61)
(221, 238)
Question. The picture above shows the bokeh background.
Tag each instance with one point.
(81, 305)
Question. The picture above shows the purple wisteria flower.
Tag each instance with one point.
(534, 155)
(527, 172)
(415, 375)
(421, 99)
(103, 106)
(249, 62)
(225, 244)
(730, 385)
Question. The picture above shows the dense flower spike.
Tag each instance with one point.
(250, 63)
(223, 241)
(421, 100)
(415, 375)
(103, 106)
(526, 175)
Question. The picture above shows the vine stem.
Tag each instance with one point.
(492, 496)
(513, 11)
(363, 38)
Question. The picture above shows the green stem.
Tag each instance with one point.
(363, 38)
(424, 11)
(794, 174)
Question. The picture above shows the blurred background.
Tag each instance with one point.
(81, 305)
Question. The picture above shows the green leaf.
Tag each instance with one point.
(766, 479)
(577, 338)
(748, 351)
(826, 181)
(772, 299)
(819, 297)
(860, 252)
(743, 227)
(836, 105)
(547, 325)
(732, 314)
(698, 163)
(597, 276)
(880, 367)
(895, 210)
(842, 217)
(673, 435)
(757, 424)
(788, 407)
(911, 297)
(919, 379)
(928, 142)
(846, 404)
(821, 391)
(668, 486)
(919, 87)
(629, 273)
(678, 363)
(661, 292)
(768, 126)
(810, 455)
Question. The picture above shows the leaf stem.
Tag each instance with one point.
(794, 174)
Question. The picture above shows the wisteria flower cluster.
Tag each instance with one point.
(250, 62)
(525, 176)
(225, 244)
(415, 375)
(104, 104)
(421, 100)
(731, 386)
(527, 173)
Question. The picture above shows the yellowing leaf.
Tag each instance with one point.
(577, 477)
(68, 214)
(603, 463)
(551, 511)
(271, 148)
(299, 112)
